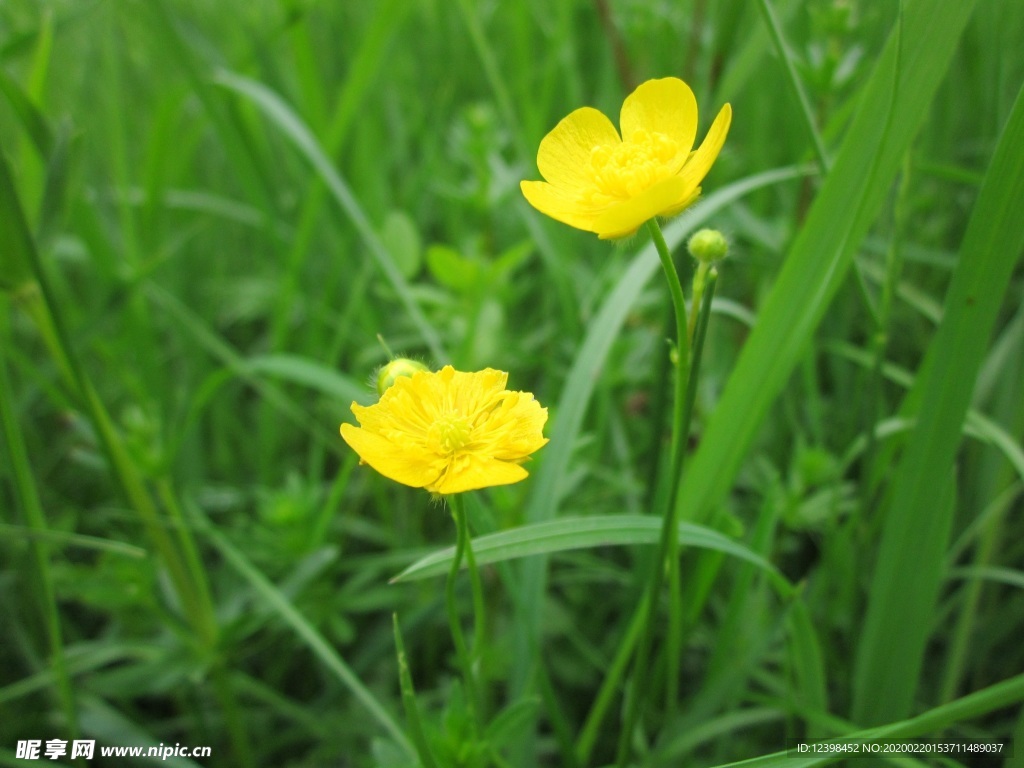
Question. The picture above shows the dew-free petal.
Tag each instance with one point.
(666, 106)
(626, 217)
(555, 203)
(449, 431)
(700, 162)
(564, 154)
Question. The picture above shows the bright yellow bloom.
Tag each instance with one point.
(449, 431)
(602, 183)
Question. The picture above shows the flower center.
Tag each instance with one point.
(449, 432)
(634, 165)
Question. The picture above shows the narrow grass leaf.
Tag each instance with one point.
(308, 373)
(31, 119)
(567, 534)
(916, 530)
(849, 200)
(1005, 694)
(270, 595)
(285, 120)
(579, 387)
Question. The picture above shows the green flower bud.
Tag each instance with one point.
(708, 246)
(400, 366)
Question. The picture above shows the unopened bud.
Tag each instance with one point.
(400, 366)
(708, 246)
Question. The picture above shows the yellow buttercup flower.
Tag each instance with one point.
(449, 431)
(610, 185)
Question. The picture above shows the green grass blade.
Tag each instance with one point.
(915, 535)
(1005, 694)
(567, 534)
(272, 596)
(579, 386)
(771, 20)
(283, 117)
(309, 373)
(849, 200)
(31, 119)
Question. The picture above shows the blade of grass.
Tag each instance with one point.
(273, 598)
(793, 78)
(572, 406)
(915, 535)
(567, 534)
(284, 119)
(28, 498)
(849, 200)
(1004, 694)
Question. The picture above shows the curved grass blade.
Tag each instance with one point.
(570, 533)
(284, 119)
(273, 598)
(998, 696)
(915, 536)
(579, 387)
(849, 200)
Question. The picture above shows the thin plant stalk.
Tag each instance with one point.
(412, 710)
(704, 283)
(461, 649)
(666, 565)
(45, 309)
(28, 497)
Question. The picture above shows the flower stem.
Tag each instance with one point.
(666, 564)
(702, 296)
(461, 650)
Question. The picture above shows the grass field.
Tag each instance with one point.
(218, 220)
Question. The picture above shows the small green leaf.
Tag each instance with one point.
(400, 236)
(451, 269)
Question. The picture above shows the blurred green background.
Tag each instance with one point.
(211, 210)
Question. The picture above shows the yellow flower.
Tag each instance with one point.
(449, 431)
(602, 183)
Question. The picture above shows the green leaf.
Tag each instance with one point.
(15, 240)
(571, 533)
(910, 566)
(451, 269)
(308, 373)
(915, 61)
(283, 117)
(31, 119)
(1005, 694)
(402, 240)
(272, 597)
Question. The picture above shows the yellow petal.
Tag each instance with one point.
(700, 162)
(472, 471)
(626, 217)
(556, 204)
(686, 202)
(665, 106)
(414, 468)
(564, 154)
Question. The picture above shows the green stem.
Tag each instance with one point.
(28, 498)
(702, 297)
(893, 269)
(590, 731)
(461, 650)
(699, 282)
(412, 710)
(666, 563)
(45, 309)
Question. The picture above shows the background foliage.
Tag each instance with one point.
(209, 212)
